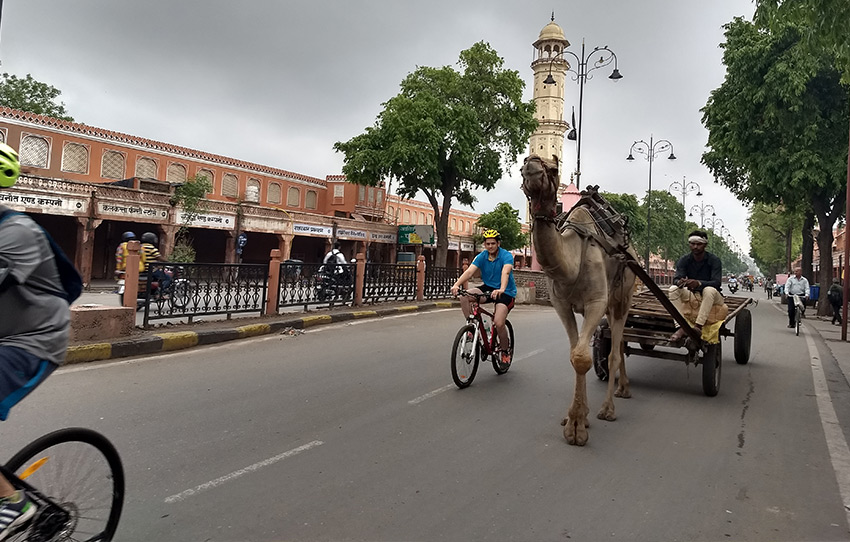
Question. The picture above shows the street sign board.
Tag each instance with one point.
(421, 234)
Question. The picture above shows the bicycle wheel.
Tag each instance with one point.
(797, 322)
(464, 356)
(498, 366)
(179, 293)
(80, 470)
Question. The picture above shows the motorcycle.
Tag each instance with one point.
(177, 292)
(733, 287)
(334, 284)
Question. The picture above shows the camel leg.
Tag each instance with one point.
(576, 423)
(616, 365)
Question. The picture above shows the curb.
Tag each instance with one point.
(181, 340)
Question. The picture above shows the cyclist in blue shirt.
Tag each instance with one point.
(496, 265)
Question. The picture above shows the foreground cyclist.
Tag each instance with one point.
(796, 285)
(496, 265)
(34, 324)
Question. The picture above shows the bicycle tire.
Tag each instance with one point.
(464, 356)
(498, 366)
(83, 474)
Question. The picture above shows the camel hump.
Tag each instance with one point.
(595, 215)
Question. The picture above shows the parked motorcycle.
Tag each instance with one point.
(177, 293)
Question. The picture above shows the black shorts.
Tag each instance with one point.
(504, 299)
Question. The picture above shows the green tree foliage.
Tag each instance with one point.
(505, 219)
(775, 237)
(446, 133)
(778, 125)
(30, 95)
(190, 197)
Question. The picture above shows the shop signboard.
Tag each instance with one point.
(124, 210)
(416, 235)
(208, 220)
(47, 203)
(382, 237)
(313, 230)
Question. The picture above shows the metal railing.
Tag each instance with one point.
(305, 284)
(439, 280)
(389, 282)
(178, 290)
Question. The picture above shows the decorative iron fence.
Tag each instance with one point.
(389, 282)
(304, 284)
(178, 290)
(439, 281)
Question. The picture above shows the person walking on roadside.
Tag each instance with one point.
(796, 285)
(835, 299)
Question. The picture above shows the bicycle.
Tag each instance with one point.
(799, 312)
(75, 478)
(473, 341)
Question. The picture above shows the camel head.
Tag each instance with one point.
(540, 181)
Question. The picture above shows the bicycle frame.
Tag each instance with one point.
(17, 483)
(488, 343)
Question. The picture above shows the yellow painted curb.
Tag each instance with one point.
(447, 304)
(178, 340)
(408, 308)
(253, 330)
(309, 321)
(364, 314)
(88, 352)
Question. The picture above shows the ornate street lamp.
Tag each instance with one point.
(715, 224)
(684, 188)
(581, 75)
(650, 151)
(702, 209)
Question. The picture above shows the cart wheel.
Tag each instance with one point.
(647, 347)
(601, 351)
(743, 336)
(711, 369)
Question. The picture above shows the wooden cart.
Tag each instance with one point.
(650, 324)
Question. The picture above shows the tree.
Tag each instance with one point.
(446, 133)
(775, 237)
(189, 196)
(505, 219)
(777, 126)
(31, 95)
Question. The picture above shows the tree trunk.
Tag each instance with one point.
(825, 239)
(807, 255)
(788, 237)
(442, 234)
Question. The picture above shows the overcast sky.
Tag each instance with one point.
(278, 82)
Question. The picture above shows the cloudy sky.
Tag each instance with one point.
(278, 82)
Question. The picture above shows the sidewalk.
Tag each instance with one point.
(170, 337)
(832, 337)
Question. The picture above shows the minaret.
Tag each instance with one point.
(548, 138)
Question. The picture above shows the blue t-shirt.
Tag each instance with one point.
(491, 272)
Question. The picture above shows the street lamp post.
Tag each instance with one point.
(684, 188)
(650, 151)
(581, 75)
(715, 224)
(702, 209)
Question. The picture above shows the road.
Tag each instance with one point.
(355, 432)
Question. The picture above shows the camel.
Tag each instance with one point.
(587, 277)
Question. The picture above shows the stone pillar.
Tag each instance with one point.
(274, 282)
(359, 279)
(284, 244)
(131, 274)
(85, 247)
(463, 269)
(230, 255)
(420, 278)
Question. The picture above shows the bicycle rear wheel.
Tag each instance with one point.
(464, 356)
(797, 322)
(79, 470)
(498, 366)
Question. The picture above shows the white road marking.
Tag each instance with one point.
(236, 474)
(450, 386)
(839, 452)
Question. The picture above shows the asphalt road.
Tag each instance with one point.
(355, 432)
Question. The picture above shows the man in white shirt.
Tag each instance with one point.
(796, 285)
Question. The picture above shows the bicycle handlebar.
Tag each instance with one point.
(477, 297)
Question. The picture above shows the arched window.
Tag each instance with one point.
(274, 193)
(390, 210)
(206, 174)
(34, 151)
(176, 173)
(112, 165)
(407, 216)
(361, 193)
(75, 158)
(311, 200)
(230, 186)
(146, 167)
(421, 218)
(2, 136)
(293, 197)
(428, 220)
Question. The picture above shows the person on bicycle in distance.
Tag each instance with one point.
(796, 285)
(496, 265)
(34, 323)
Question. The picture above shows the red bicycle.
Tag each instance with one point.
(478, 339)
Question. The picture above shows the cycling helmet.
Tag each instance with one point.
(490, 233)
(10, 167)
(127, 236)
(150, 237)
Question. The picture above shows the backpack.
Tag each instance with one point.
(143, 265)
(834, 295)
(72, 282)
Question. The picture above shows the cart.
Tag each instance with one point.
(652, 320)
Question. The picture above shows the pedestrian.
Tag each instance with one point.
(835, 295)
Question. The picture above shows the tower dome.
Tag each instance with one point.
(551, 32)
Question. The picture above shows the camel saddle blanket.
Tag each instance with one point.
(607, 227)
